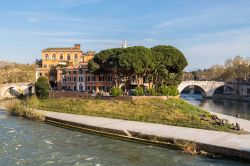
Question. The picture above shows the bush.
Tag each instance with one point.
(164, 90)
(173, 91)
(116, 91)
(169, 91)
(152, 92)
(139, 91)
(19, 109)
(33, 101)
(42, 88)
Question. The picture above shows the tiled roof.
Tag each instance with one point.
(62, 49)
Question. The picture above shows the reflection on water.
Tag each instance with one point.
(28, 143)
(223, 106)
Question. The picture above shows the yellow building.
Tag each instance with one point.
(52, 57)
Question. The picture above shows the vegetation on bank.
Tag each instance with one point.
(171, 112)
(20, 109)
(14, 72)
(42, 87)
(234, 69)
(160, 65)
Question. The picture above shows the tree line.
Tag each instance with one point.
(14, 72)
(235, 69)
(162, 65)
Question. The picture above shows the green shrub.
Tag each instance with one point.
(116, 91)
(139, 91)
(164, 90)
(169, 91)
(18, 108)
(152, 92)
(33, 101)
(42, 88)
(173, 91)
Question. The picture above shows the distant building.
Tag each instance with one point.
(78, 78)
(54, 57)
(67, 70)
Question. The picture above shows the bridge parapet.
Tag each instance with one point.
(13, 89)
(208, 87)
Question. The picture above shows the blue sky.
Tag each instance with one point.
(206, 31)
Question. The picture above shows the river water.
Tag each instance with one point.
(28, 143)
(222, 106)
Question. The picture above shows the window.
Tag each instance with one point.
(47, 57)
(248, 91)
(61, 56)
(80, 87)
(45, 66)
(76, 56)
(93, 78)
(101, 88)
(74, 72)
(40, 74)
(110, 78)
(145, 79)
(54, 57)
(108, 89)
(88, 78)
(80, 71)
(93, 88)
(80, 79)
(101, 78)
(88, 88)
(74, 79)
(75, 89)
(68, 57)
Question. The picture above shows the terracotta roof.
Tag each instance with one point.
(62, 49)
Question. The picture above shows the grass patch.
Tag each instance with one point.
(19, 108)
(171, 112)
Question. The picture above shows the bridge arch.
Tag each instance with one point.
(208, 87)
(202, 91)
(15, 89)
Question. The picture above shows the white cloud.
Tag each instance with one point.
(172, 23)
(206, 50)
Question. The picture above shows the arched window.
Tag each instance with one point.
(54, 57)
(47, 57)
(61, 56)
(80, 87)
(76, 56)
(68, 56)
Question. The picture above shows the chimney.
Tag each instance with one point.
(78, 46)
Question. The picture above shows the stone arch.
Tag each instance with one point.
(54, 56)
(61, 56)
(75, 56)
(68, 56)
(9, 92)
(209, 87)
(202, 90)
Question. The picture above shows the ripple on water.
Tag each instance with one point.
(42, 144)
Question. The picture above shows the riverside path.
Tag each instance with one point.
(228, 144)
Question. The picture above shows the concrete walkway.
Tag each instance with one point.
(217, 142)
(244, 124)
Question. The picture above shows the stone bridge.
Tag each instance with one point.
(208, 87)
(15, 89)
